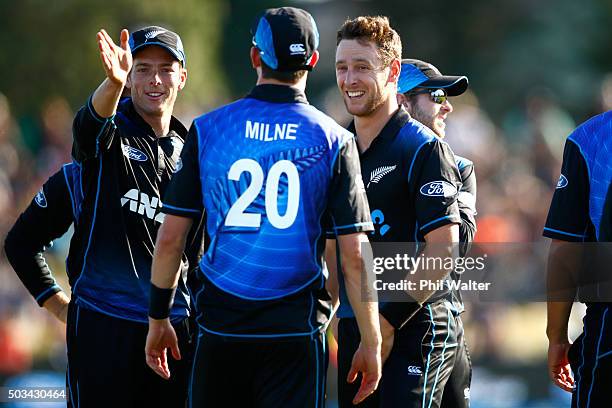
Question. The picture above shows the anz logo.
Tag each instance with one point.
(438, 189)
(133, 154)
(142, 204)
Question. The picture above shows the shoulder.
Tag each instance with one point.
(463, 163)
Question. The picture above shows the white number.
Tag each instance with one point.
(236, 217)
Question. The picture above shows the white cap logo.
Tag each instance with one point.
(297, 49)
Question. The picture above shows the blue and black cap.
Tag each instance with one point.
(162, 37)
(287, 38)
(417, 73)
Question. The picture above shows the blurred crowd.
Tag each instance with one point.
(517, 161)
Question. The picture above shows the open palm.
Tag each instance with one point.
(116, 60)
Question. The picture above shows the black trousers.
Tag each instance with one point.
(107, 368)
(429, 364)
(267, 373)
(590, 357)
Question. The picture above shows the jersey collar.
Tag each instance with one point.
(393, 126)
(277, 94)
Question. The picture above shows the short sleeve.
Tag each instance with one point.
(91, 133)
(184, 194)
(437, 183)
(568, 216)
(347, 201)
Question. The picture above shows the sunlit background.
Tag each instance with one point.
(536, 70)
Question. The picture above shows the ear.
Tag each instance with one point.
(394, 72)
(313, 59)
(255, 57)
(183, 75)
(401, 99)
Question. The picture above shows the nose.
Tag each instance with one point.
(156, 79)
(447, 106)
(351, 77)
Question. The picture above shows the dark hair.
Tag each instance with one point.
(377, 30)
(290, 77)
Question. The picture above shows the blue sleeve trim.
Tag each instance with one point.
(360, 224)
(72, 201)
(54, 287)
(446, 217)
(93, 112)
(416, 154)
(181, 209)
(569, 234)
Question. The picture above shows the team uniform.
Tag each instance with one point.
(271, 173)
(122, 170)
(412, 183)
(575, 215)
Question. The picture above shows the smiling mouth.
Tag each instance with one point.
(154, 94)
(355, 94)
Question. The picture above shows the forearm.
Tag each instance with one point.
(166, 264)
(57, 305)
(361, 295)
(106, 98)
(558, 314)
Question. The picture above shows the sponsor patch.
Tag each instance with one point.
(438, 189)
(179, 165)
(562, 182)
(40, 199)
(133, 154)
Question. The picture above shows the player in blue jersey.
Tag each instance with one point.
(125, 152)
(577, 215)
(425, 93)
(412, 183)
(270, 172)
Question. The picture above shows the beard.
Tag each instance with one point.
(426, 119)
(371, 104)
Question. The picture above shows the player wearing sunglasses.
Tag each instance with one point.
(424, 92)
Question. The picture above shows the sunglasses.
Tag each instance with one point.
(437, 95)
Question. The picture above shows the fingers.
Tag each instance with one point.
(125, 39)
(352, 375)
(155, 360)
(369, 382)
(176, 353)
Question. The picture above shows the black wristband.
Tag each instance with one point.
(160, 302)
(399, 313)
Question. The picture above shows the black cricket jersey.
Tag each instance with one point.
(123, 171)
(271, 172)
(48, 217)
(412, 183)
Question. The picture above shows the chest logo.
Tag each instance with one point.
(438, 189)
(40, 199)
(379, 173)
(133, 154)
(562, 182)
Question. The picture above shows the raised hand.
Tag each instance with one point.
(116, 60)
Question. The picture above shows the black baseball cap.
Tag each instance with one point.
(417, 73)
(162, 37)
(287, 38)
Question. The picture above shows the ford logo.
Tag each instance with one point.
(133, 153)
(562, 182)
(438, 189)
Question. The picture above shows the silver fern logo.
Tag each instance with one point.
(379, 173)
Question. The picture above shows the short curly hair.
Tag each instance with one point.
(377, 30)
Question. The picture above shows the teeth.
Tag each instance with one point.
(154, 94)
(353, 94)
